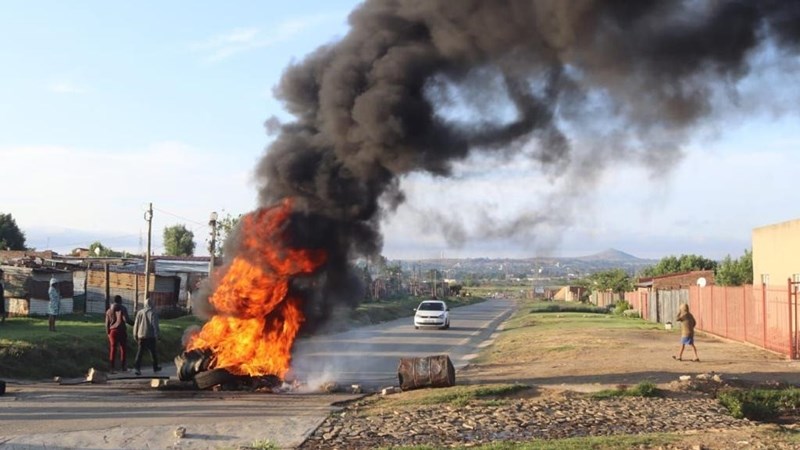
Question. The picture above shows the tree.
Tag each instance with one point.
(178, 241)
(683, 263)
(735, 272)
(614, 280)
(98, 249)
(11, 237)
(225, 227)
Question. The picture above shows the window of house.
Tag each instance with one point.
(764, 278)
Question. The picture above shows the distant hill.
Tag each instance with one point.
(610, 255)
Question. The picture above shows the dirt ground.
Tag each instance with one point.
(587, 360)
(601, 357)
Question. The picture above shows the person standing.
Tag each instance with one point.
(2, 299)
(54, 307)
(116, 319)
(146, 332)
(687, 331)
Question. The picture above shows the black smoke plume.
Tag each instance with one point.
(368, 108)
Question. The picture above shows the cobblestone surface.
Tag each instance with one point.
(519, 420)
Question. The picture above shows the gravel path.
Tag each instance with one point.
(518, 420)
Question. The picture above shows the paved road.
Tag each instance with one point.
(370, 355)
(128, 414)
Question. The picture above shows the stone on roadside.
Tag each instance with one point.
(96, 376)
(390, 390)
(180, 432)
(685, 377)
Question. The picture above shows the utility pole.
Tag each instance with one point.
(148, 216)
(212, 246)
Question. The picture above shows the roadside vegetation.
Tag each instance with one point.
(545, 323)
(458, 396)
(28, 350)
(643, 389)
(761, 404)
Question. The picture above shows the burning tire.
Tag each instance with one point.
(213, 377)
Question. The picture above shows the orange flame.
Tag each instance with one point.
(256, 321)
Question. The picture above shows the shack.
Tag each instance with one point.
(26, 290)
(102, 284)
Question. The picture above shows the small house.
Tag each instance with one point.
(27, 290)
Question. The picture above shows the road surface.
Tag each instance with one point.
(369, 355)
(128, 414)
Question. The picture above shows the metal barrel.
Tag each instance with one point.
(428, 371)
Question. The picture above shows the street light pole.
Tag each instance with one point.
(148, 216)
(212, 247)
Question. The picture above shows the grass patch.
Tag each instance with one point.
(594, 442)
(555, 307)
(528, 336)
(643, 389)
(29, 351)
(456, 395)
(760, 404)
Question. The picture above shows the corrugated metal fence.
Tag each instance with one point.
(765, 316)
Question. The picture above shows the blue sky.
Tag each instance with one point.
(107, 106)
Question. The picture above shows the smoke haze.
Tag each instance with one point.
(420, 85)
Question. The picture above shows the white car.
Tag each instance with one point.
(432, 313)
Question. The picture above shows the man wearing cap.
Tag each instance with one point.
(54, 308)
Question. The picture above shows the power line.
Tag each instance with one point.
(181, 217)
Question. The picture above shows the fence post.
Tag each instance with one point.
(713, 330)
(789, 302)
(744, 308)
(764, 312)
(725, 301)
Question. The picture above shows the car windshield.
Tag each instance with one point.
(431, 307)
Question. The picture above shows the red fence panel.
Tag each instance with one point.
(760, 315)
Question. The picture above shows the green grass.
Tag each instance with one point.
(643, 389)
(551, 307)
(456, 395)
(594, 442)
(28, 350)
(760, 404)
(463, 395)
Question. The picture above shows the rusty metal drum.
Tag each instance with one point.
(428, 371)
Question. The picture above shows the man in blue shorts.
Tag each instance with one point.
(687, 332)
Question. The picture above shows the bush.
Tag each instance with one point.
(643, 389)
(760, 404)
(621, 307)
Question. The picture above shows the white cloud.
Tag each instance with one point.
(240, 40)
(104, 192)
(66, 87)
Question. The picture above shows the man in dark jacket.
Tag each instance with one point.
(145, 331)
(2, 299)
(116, 319)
